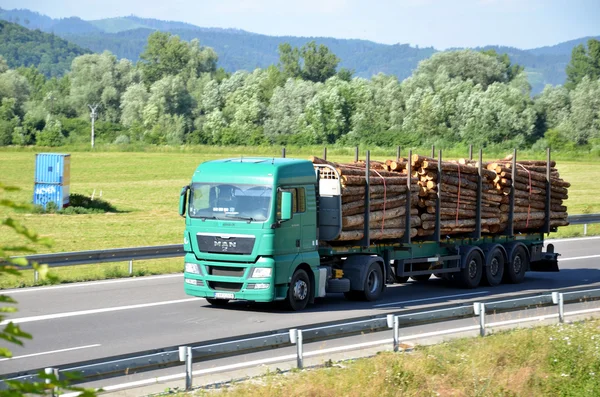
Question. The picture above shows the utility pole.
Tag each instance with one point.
(93, 115)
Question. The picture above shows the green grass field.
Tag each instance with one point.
(144, 187)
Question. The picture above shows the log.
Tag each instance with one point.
(461, 212)
(343, 170)
(374, 189)
(388, 202)
(460, 223)
(361, 180)
(394, 223)
(449, 180)
(373, 216)
(379, 207)
(375, 234)
(453, 167)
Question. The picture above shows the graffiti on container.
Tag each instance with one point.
(45, 190)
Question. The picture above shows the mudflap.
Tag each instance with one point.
(548, 261)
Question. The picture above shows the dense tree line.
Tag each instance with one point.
(49, 53)
(177, 95)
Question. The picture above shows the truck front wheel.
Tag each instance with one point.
(299, 291)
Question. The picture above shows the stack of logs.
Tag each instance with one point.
(530, 193)
(388, 197)
(458, 204)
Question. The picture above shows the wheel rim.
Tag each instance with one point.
(300, 290)
(517, 264)
(472, 268)
(494, 266)
(372, 282)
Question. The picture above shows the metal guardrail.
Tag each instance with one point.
(208, 350)
(174, 250)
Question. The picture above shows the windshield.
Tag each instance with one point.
(230, 201)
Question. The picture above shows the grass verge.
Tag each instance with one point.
(558, 360)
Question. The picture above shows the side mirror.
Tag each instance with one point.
(286, 206)
(183, 200)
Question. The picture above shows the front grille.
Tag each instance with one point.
(222, 286)
(214, 244)
(226, 271)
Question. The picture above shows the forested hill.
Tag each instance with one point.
(51, 54)
(238, 49)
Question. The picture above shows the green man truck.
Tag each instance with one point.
(265, 229)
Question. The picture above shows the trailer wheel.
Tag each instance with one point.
(421, 278)
(470, 275)
(517, 265)
(299, 291)
(494, 271)
(217, 302)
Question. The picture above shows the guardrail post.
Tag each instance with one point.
(296, 338)
(283, 152)
(51, 371)
(585, 229)
(392, 322)
(130, 267)
(36, 277)
(559, 299)
(479, 309)
(185, 355)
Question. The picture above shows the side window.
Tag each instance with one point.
(298, 200)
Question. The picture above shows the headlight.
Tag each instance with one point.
(192, 268)
(262, 272)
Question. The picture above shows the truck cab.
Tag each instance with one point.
(251, 231)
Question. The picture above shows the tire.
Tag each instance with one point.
(470, 275)
(494, 271)
(517, 266)
(299, 291)
(373, 283)
(217, 302)
(421, 278)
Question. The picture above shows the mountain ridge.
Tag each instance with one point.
(239, 49)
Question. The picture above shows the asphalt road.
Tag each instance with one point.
(85, 321)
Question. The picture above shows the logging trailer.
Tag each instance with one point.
(267, 229)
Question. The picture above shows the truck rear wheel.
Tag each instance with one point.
(373, 285)
(299, 291)
(517, 265)
(470, 274)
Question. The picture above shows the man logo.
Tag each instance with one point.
(225, 245)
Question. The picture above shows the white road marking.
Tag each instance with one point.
(431, 299)
(578, 258)
(89, 283)
(93, 311)
(50, 352)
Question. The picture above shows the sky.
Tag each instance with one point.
(427, 23)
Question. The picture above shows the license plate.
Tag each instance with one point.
(224, 295)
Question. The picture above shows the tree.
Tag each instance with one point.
(289, 60)
(319, 63)
(310, 62)
(584, 121)
(100, 78)
(584, 63)
(285, 109)
(168, 55)
(133, 101)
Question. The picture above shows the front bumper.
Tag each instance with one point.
(242, 287)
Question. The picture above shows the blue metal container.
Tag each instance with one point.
(52, 179)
